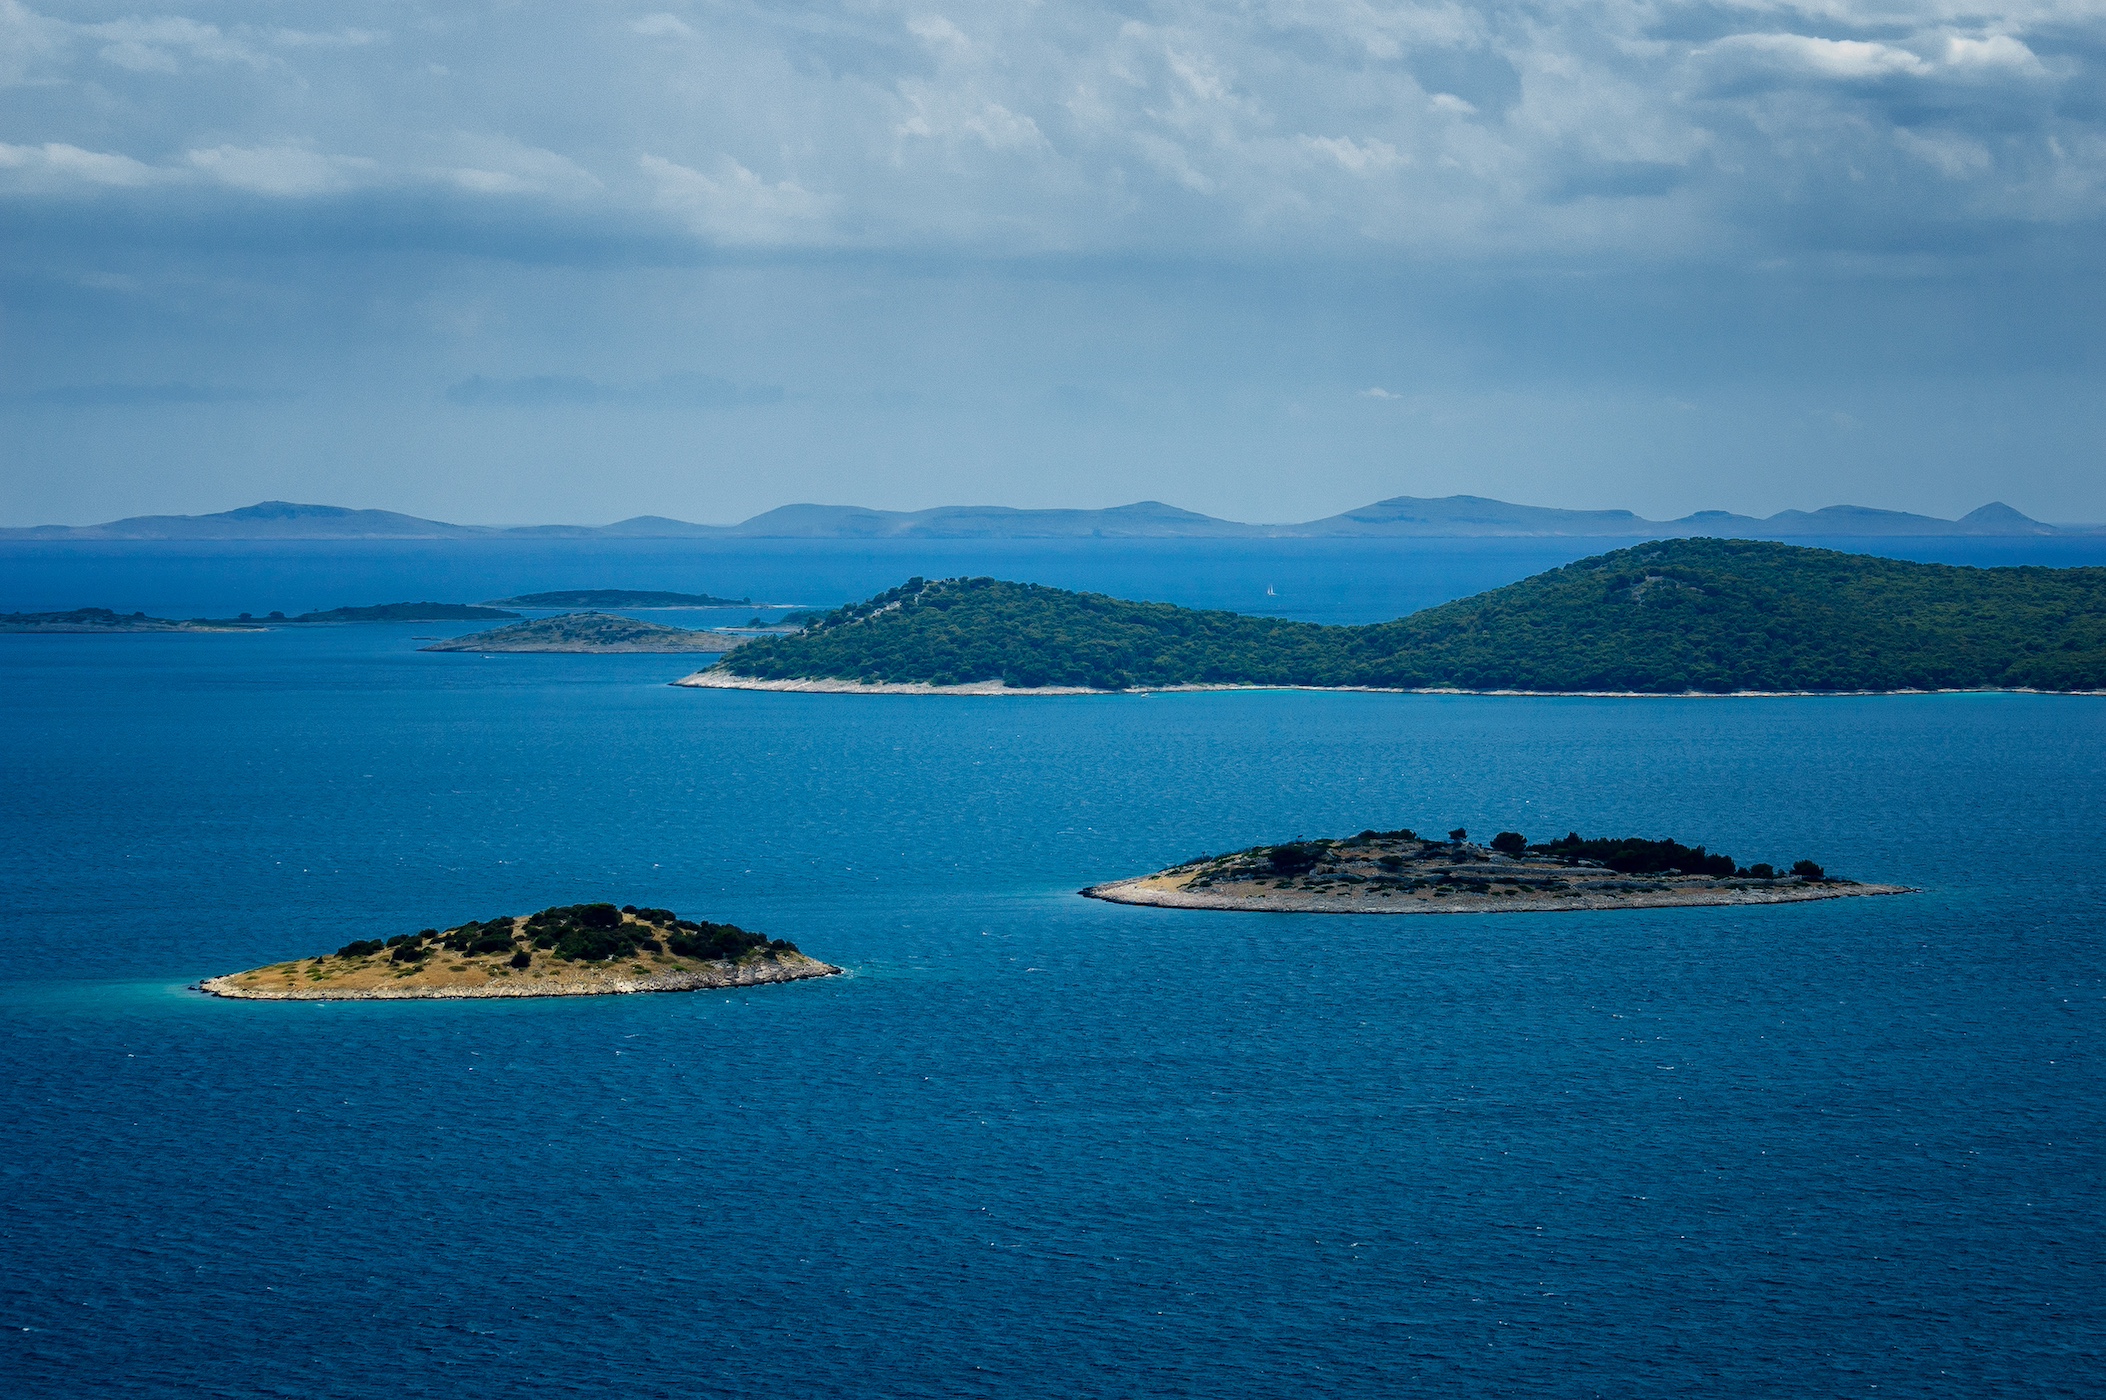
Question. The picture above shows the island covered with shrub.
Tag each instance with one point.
(1672, 617)
(568, 950)
(591, 633)
(1401, 872)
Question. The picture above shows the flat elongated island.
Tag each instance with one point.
(1399, 872)
(591, 632)
(570, 950)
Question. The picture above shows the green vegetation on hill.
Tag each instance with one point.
(1701, 615)
(589, 632)
(577, 933)
(1626, 855)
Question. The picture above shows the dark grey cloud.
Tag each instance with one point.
(1280, 128)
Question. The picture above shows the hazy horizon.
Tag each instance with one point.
(494, 524)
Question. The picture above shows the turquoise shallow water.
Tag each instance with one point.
(1033, 1145)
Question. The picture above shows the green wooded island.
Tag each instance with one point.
(589, 633)
(1401, 872)
(567, 950)
(1672, 617)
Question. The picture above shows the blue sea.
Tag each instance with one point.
(1032, 1145)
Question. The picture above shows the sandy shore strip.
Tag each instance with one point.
(721, 680)
(1166, 893)
(577, 981)
(724, 680)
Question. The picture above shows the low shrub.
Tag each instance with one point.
(714, 942)
(1294, 858)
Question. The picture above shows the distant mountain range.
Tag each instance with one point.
(1401, 517)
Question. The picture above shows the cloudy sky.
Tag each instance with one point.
(512, 262)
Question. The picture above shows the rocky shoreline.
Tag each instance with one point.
(724, 680)
(1400, 872)
(562, 951)
(1144, 890)
(583, 982)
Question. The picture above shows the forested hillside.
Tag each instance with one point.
(1672, 616)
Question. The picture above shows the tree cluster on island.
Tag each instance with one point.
(1675, 616)
(588, 632)
(1509, 864)
(571, 933)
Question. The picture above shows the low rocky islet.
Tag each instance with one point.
(568, 950)
(1400, 872)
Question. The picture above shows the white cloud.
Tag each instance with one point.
(161, 45)
(1932, 55)
(487, 164)
(283, 171)
(939, 33)
(937, 114)
(64, 164)
(662, 26)
(736, 206)
(333, 39)
(1379, 392)
(1994, 52)
(1848, 59)
(1360, 157)
(1279, 126)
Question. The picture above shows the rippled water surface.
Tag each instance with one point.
(1032, 1145)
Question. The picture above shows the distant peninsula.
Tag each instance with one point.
(569, 950)
(618, 598)
(1695, 616)
(409, 612)
(94, 620)
(1400, 872)
(591, 633)
(1398, 517)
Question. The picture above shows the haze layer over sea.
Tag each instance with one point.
(1034, 1145)
(1316, 580)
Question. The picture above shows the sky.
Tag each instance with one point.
(514, 262)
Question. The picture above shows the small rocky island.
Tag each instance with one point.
(1401, 872)
(570, 950)
(591, 633)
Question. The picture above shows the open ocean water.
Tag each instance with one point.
(1033, 1145)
